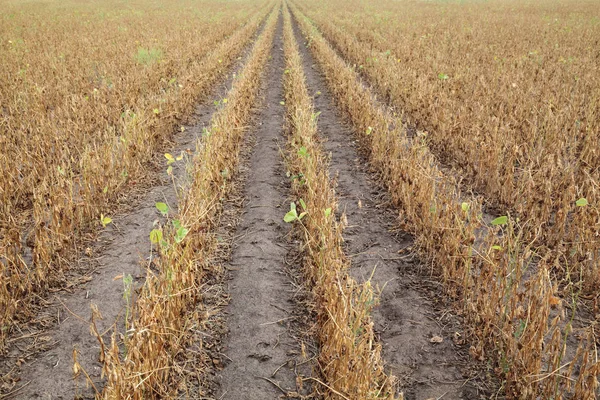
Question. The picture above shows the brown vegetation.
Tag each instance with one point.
(517, 114)
(163, 310)
(506, 299)
(79, 122)
(349, 357)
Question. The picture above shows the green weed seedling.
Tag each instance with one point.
(303, 152)
(163, 208)
(180, 231)
(148, 56)
(105, 220)
(293, 215)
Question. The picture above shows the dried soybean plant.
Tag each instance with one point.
(80, 120)
(350, 362)
(165, 307)
(498, 282)
(515, 113)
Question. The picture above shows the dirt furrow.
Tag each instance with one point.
(259, 352)
(118, 253)
(417, 341)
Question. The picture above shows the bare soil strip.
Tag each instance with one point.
(44, 361)
(417, 340)
(259, 352)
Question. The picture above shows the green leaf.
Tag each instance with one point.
(105, 220)
(500, 220)
(170, 158)
(291, 215)
(170, 170)
(162, 207)
(328, 212)
(303, 204)
(176, 223)
(181, 234)
(369, 130)
(282, 103)
(303, 151)
(465, 206)
(496, 247)
(443, 76)
(156, 236)
(582, 202)
(156, 111)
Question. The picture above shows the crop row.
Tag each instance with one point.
(512, 103)
(165, 307)
(349, 356)
(506, 299)
(76, 142)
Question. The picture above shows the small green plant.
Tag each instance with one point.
(162, 208)
(503, 220)
(180, 232)
(303, 152)
(149, 56)
(217, 103)
(105, 220)
(156, 236)
(293, 215)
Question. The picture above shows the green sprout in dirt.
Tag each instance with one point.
(293, 215)
(105, 220)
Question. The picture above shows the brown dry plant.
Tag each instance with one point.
(165, 307)
(349, 359)
(506, 299)
(82, 116)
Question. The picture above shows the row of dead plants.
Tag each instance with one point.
(349, 359)
(501, 286)
(72, 144)
(158, 330)
(516, 114)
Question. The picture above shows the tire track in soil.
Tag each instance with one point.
(121, 246)
(408, 317)
(259, 315)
